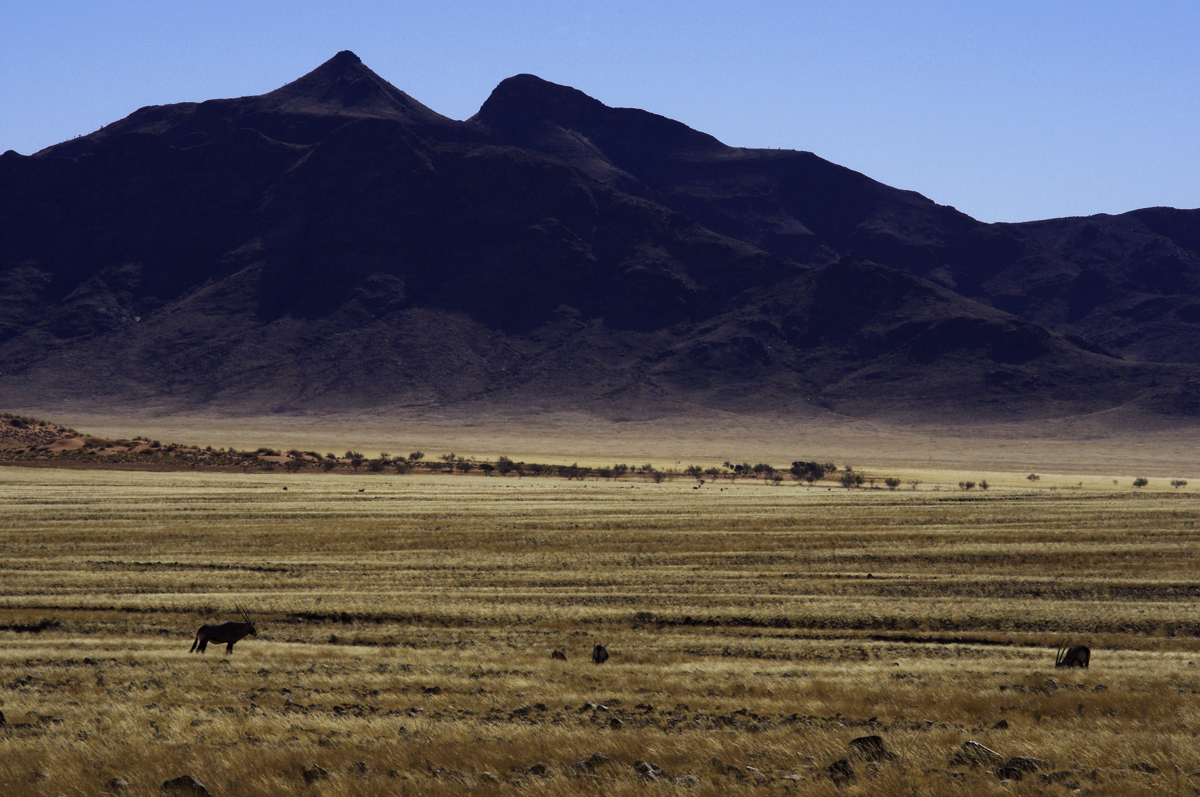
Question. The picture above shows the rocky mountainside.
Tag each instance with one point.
(334, 244)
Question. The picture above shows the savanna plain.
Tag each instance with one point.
(406, 625)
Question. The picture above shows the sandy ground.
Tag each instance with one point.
(1089, 446)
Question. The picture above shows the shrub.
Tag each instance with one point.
(1033, 477)
(620, 470)
(966, 485)
(891, 482)
(808, 471)
(1140, 481)
(416, 456)
(983, 485)
(1177, 483)
(851, 479)
(505, 465)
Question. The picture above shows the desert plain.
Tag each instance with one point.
(756, 627)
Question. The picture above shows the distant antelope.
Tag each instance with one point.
(225, 633)
(1078, 656)
(599, 654)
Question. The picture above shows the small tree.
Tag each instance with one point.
(1177, 483)
(966, 485)
(891, 482)
(416, 456)
(850, 480)
(983, 485)
(808, 471)
(1140, 481)
(505, 465)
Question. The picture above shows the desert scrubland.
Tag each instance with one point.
(406, 626)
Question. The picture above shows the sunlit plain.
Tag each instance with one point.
(406, 625)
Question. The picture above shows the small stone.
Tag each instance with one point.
(590, 764)
(358, 768)
(975, 754)
(1002, 725)
(315, 773)
(538, 770)
(868, 748)
(116, 786)
(1142, 766)
(184, 785)
(488, 777)
(647, 770)
(685, 780)
(841, 771)
(615, 723)
(558, 655)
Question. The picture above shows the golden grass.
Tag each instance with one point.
(406, 631)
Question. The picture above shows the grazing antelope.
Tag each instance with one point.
(1078, 656)
(599, 654)
(225, 633)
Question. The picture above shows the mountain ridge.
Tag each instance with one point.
(336, 244)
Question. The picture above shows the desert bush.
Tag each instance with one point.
(1140, 481)
(808, 471)
(416, 456)
(983, 485)
(891, 482)
(966, 485)
(850, 480)
(1177, 483)
(505, 465)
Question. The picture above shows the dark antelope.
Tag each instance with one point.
(1078, 656)
(224, 634)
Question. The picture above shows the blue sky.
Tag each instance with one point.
(1008, 111)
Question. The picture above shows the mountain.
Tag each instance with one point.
(334, 244)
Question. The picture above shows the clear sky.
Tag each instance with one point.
(1009, 111)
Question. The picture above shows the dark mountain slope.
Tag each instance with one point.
(1129, 283)
(336, 245)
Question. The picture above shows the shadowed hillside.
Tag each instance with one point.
(336, 245)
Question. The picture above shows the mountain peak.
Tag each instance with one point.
(345, 86)
(524, 104)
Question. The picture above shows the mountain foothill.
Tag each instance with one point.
(335, 245)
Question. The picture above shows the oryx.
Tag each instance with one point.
(225, 633)
(1078, 656)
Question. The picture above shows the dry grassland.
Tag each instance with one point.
(406, 626)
